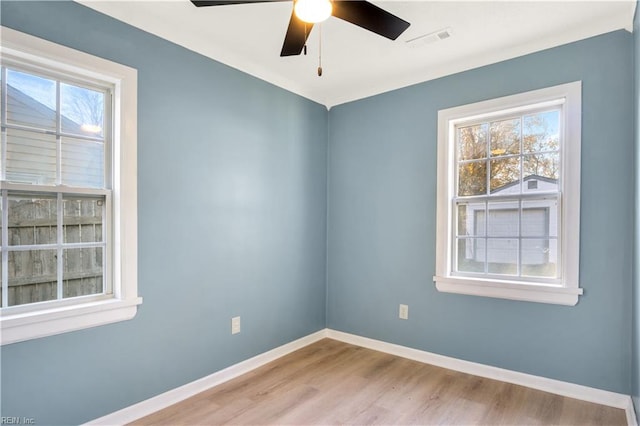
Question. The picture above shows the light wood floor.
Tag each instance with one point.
(331, 382)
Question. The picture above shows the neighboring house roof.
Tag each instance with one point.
(528, 178)
(18, 97)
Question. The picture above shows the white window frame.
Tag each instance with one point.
(49, 318)
(564, 291)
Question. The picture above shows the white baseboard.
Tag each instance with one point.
(164, 400)
(571, 390)
(631, 414)
(557, 387)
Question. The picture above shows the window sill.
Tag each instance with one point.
(512, 290)
(26, 326)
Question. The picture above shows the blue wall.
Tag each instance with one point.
(232, 211)
(635, 357)
(382, 223)
(233, 221)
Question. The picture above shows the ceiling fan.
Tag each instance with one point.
(308, 12)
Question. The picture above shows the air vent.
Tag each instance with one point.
(430, 38)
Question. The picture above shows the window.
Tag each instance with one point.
(68, 215)
(509, 197)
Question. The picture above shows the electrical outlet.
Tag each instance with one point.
(235, 325)
(404, 312)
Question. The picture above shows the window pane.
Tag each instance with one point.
(82, 274)
(472, 142)
(472, 178)
(31, 157)
(32, 276)
(82, 163)
(31, 100)
(1, 281)
(1, 216)
(32, 219)
(542, 165)
(540, 257)
(502, 256)
(480, 221)
(82, 219)
(505, 175)
(471, 219)
(540, 218)
(541, 131)
(82, 110)
(471, 254)
(464, 228)
(1, 262)
(504, 218)
(505, 137)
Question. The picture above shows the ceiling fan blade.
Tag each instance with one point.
(201, 3)
(370, 17)
(296, 36)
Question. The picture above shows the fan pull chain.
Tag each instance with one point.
(305, 39)
(320, 50)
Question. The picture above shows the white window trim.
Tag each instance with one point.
(82, 313)
(568, 291)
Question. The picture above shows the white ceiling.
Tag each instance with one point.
(358, 63)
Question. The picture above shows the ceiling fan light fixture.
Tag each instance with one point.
(313, 11)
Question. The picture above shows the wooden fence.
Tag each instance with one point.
(33, 274)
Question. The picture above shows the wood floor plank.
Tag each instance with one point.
(331, 383)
